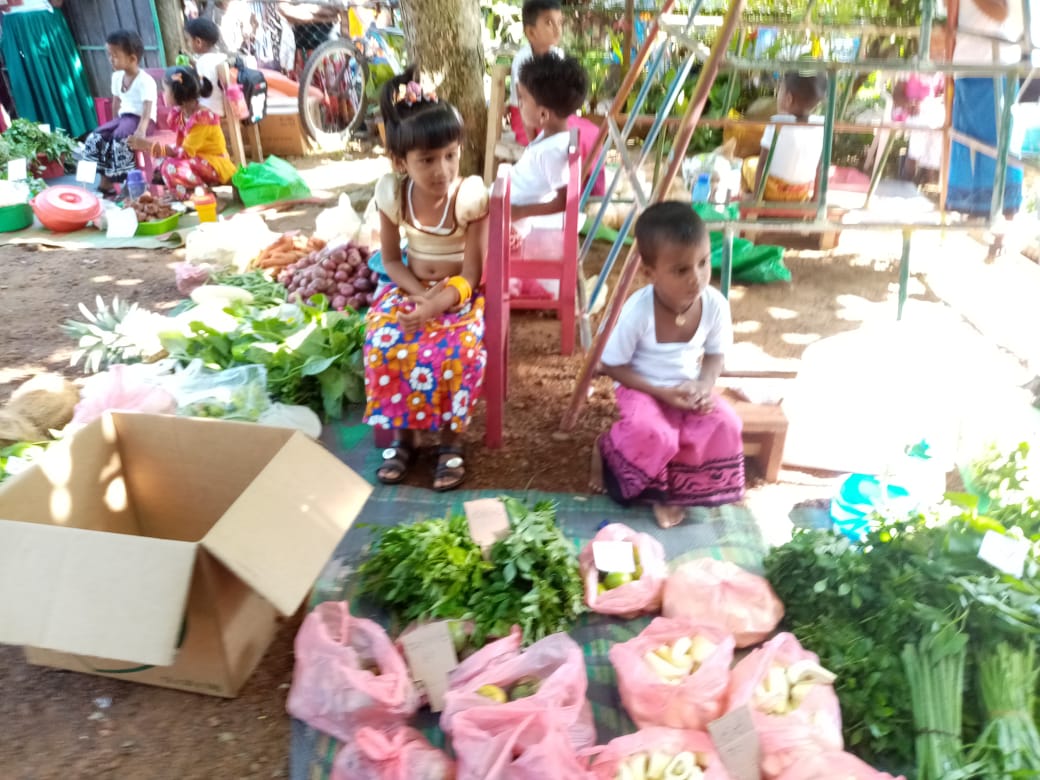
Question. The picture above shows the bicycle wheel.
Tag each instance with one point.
(332, 93)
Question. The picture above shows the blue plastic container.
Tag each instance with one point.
(860, 496)
(135, 184)
(702, 188)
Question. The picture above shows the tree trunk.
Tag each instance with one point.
(444, 37)
(171, 25)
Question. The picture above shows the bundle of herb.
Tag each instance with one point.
(935, 672)
(424, 570)
(433, 569)
(1009, 746)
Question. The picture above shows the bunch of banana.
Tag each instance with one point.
(681, 658)
(660, 765)
(784, 687)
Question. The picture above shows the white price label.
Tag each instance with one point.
(45, 128)
(122, 223)
(430, 653)
(17, 170)
(488, 521)
(1005, 553)
(614, 556)
(86, 171)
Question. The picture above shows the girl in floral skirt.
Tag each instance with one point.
(424, 352)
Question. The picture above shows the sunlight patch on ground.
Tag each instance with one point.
(102, 279)
(747, 326)
(855, 308)
(800, 338)
(129, 282)
(779, 313)
(345, 174)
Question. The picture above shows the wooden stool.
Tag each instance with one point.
(764, 434)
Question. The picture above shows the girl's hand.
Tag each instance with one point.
(138, 143)
(676, 397)
(416, 311)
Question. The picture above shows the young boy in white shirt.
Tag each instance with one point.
(543, 26)
(795, 168)
(550, 89)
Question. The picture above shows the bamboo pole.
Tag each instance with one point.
(685, 132)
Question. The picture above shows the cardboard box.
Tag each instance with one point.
(283, 135)
(160, 549)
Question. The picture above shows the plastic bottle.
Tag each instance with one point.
(135, 184)
(702, 188)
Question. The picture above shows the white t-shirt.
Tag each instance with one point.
(207, 66)
(537, 175)
(633, 341)
(523, 55)
(142, 90)
(798, 149)
(975, 50)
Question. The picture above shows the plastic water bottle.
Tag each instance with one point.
(702, 188)
(135, 184)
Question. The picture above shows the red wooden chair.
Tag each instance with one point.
(545, 254)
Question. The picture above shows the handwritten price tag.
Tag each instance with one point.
(614, 556)
(1004, 553)
(431, 657)
(17, 170)
(86, 171)
(488, 521)
(45, 128)
(737, 744)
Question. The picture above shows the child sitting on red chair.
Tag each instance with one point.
(550, 90)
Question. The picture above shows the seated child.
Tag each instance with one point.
(677, 444)
(795, 168)
(550, 90)
(134, 95)
(204, 37)
(200, 158)
(543, 25)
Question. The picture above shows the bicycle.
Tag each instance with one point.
(341, 74)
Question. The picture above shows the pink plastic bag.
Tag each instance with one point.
(331, 690)
(486, 657)
(491, 744)
(673, 741)
(402, 754)
(827, 766)
(118, 389)
(556, 660)
(188, 276)
(643, 595)
(699, 698)
(721, 594)
(813, 728)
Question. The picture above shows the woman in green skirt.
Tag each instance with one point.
(48, 82)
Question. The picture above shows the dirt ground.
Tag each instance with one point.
(65, 725)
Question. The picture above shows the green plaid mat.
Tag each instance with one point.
(726, 533)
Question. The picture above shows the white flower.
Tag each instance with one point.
(386, 337)
(460, 403)
(379, 421)
(421, 378)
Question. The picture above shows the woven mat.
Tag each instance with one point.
(727, 533)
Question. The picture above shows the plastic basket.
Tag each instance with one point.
(15, 217)
(159, 226)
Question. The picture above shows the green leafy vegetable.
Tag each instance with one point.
(264, 291)
(433, 569)
(312, 355)
(22, 452)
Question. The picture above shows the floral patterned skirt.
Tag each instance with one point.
(428, 380)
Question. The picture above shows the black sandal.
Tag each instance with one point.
(450, 466)
(399, 457)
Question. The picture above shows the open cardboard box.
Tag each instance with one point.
(160, 549)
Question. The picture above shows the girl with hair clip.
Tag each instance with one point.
(424, 352)
(200, 157)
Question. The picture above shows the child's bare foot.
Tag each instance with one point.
(596, 485)
(668, 516)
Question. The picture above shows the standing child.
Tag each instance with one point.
(543, 26)
(200, 156)
(677, 444)
(204, 38)
(795, 168)
(424, 352)
(134, 96)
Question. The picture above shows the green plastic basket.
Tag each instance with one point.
(16, 217)
(159, 226)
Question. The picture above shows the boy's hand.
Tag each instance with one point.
(699, 394)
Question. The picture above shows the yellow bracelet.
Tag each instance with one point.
(462, 286)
